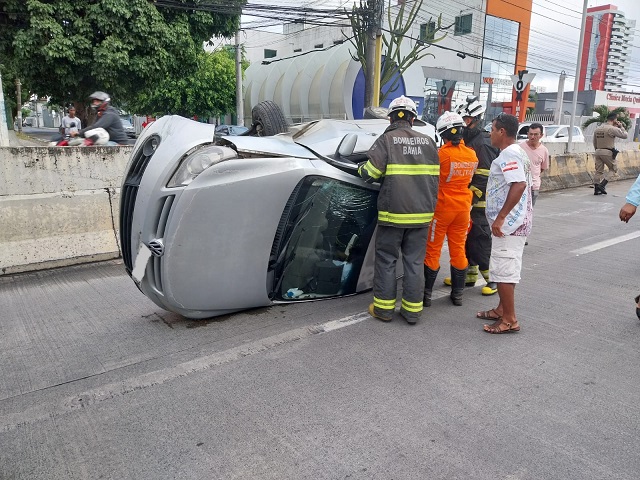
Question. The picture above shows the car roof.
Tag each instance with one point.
(320, 136)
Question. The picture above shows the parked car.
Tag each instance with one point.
(213, 226)
(230, 130)
(560, 133)
(128, 128)
(523, 130)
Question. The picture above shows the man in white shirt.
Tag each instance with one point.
(510, 214)
(70, 123)
(539, 156)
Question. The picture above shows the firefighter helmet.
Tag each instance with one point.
(403, 103)
(449, 122)
(471, 108)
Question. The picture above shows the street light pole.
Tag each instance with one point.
(19, 102)
(577, 80)
(239, 99)
(4, 132)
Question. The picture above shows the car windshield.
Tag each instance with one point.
(551, 130)
(126, 123)
(322, 239)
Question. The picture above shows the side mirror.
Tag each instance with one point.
(347, 145)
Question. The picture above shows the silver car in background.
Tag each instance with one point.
(213, 226)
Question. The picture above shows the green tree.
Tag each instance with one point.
(603, 111)
(67, 49)
(395, 64)
(208, 91)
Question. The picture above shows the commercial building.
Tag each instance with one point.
(311, 73)
(606, 49)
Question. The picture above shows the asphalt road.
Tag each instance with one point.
(97, 382)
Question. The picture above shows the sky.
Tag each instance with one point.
(555, 35)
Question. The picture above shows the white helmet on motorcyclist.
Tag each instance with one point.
(403, 104)
(102, 97)
(99, 136)
(471, 108)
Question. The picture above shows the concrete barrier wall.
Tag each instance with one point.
(574, 170)
(59, 205)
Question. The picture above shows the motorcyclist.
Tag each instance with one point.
(478, 244)
(107, 117)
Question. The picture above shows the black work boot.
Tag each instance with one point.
(457, 285)
(601, 186)
(429, 281)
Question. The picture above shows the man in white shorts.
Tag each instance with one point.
(510, 214)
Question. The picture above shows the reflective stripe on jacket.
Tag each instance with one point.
(406, 164)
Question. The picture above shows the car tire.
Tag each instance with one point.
(267, 119)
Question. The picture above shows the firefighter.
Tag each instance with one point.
(405, 162)
(478, 245)
(457, 165)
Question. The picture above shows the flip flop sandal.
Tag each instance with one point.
(495, 328)
(487, 315)
(637, 299)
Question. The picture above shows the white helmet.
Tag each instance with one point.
(472, 108)
(101, 133)
(450, 121)
(403, 103)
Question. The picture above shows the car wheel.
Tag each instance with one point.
(267, 119)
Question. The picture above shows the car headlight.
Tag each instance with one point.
(197, 162)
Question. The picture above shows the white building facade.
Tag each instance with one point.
(310, 71)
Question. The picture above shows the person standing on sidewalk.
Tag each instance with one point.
(406, 164)
(457, 165)
(510, 215)
(70, 123)
(478, 244)
(538, 155)
(604, 138)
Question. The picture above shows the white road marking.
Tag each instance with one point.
(62, 406)
(606, 243)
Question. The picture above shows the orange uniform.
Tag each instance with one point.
(452, 215)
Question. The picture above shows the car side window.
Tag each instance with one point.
(324, 239)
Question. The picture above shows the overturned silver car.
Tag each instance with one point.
(212, 225)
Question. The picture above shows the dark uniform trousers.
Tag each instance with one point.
(478, 246)
(390, 241)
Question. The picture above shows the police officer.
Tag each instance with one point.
(478, 245)
(604, 138)
(406, 164)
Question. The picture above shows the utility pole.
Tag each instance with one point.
(577, 80)
(19, 101)
(377, 66)
(239, 102)
(370, 54)
(559, 99)
(4, 132)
